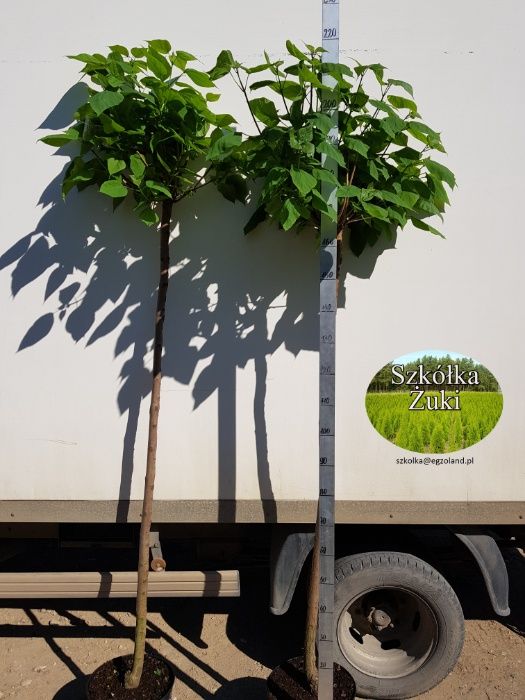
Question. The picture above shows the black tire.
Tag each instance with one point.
(412, 590)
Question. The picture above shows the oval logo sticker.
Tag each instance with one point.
(434, 402)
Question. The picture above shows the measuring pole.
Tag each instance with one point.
(327, 316)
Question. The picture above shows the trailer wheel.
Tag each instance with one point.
(399, 625)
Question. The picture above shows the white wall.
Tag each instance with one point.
(68, 403)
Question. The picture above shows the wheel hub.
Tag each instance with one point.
(379, 619)
(387, 632)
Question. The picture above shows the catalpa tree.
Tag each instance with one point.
(386, 176)
(146, 134)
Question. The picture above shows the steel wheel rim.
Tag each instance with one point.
(387, 632)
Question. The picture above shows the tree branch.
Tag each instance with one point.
(282, 95)
(244, 92)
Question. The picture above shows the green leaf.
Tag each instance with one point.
(137, 166)
(376, 211)
(185, 56)
(402, 103)
(357, 145)
(338, 71)
(233, 187)
(178, 62)
(429, 208)
(110, 126)
(324, 175)
(397, 216)
(441, 171)
(261, 84)
(223, 65)
(331, 151)
(439, 195)
(378, 70)
(264, 110)
(419, 223)
(406, 154)
(300, 139)
(426, 135)
(146, 214)
(304, 134)
(320, 203)
(372, 169)
(408, 199)
(401, 83)
(288, 89)
(117, 82)
(163, 163)
(150, 82)
(160, 45)
(212, 96)
(199, 78)
(114, 188)
(273, 66)
(402, 199)
(101, 101)
(392, 125)
(368, 193)
(288, 215)
(222, 147)
(79, 173)
(294, 51)
(221, 119)
(89, 58)
(309, 78)
(321, 121)
(273, 182)
(118, 48)
(158, 187)
(303, 181)
(349, 191)
(390, 197)
(61, 139)
(358, 100)
(115, 165)
(158, 64)
(382, 106)
(257, 69)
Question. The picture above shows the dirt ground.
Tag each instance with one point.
(225, 649)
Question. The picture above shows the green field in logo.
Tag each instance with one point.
(434, 402)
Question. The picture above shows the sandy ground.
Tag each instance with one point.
(225, 648)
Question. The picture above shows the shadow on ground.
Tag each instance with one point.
(243, 688)
(250, 627)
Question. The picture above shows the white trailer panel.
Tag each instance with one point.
(239, 403)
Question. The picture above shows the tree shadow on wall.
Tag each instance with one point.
(101, 273)
(232, 301)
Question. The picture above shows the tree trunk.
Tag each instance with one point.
(132, 679)
(312, 614)
(312, 609)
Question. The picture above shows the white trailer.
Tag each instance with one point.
(238, 436)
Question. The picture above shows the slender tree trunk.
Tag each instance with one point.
(133, 677)
(312, 609)
(312, 614)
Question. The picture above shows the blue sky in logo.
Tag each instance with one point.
(405, 359)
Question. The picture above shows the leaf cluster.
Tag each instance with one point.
(385, 177)
(147, 130)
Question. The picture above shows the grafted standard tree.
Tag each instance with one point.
(386, 178)
(146, 133)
